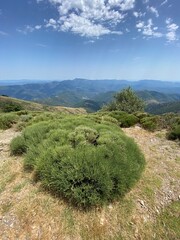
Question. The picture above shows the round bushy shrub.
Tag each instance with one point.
(150, 123)
(18, 146)
(7, 120)
(125, 120)
(85, 162)
(174, 134)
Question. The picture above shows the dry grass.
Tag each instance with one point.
(32, 106)
(26, 212)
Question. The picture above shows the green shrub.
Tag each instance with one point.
(150, 123)
(83, 135)
(174, 134)
(169, 120)
(18, 146)
(11, 107)
(126, 101)
(124, 119)
(141, 115)
(7, 120)
(86, 162)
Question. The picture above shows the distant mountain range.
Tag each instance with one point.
(21, 82)
(91, 94)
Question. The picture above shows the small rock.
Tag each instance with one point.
(157, 211)
(141, 202)
(110, 206)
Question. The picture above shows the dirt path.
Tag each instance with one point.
(5, 139)
(162, 163)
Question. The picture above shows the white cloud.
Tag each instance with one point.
(29, 29)
(52, 23)
(90, 18)
(171, 30)
(84, 27)
(123, 4)
(153, 10)
(139, 14)
(148, 29)
(37, 27)
(41, 45)
(2, 33)
(140, 25)
(164, 2)
(95, 18)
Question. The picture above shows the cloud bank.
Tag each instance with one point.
(95, 18)
(90, 18)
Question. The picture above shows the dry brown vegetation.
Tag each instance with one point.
(27, 212)
(32, 106)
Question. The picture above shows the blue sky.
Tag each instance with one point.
(93, 39)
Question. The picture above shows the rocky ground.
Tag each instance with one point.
(5, 139)
(162, 158)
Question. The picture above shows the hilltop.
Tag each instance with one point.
(8, 102)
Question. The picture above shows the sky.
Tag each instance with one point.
(92, 39)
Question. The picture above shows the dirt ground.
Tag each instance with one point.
(5, 139)
(162, 158)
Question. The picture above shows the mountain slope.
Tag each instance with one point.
(86, 88)
(164, 108)
(6, 102)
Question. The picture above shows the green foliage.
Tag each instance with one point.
(168, 222)
(7, 120)
(82, 160)
(18, 146)
(126, 101)
(11, 107)
(174, 134)
(162, 108)
(83, 135)
(150, 123)
(141, 115)
(124, 119)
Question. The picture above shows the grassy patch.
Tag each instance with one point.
(7, 120)
(8, 177)
(19, 187)
(5, 207)
(168, 222)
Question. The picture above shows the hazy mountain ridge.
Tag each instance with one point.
(88, 88)
(92, 94)
(162, 108)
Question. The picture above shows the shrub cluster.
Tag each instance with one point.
(126, 101)
(150, 123)
(125, 120)
(11, 107)
(84, 161)
(7, 120)
(174, 134)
